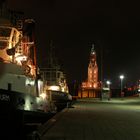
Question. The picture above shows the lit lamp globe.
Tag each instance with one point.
(121, 77)
(108, 83)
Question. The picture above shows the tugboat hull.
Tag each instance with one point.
(11, 100)
(60, 99)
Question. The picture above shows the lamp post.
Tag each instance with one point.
(108, 84)
(121, 78)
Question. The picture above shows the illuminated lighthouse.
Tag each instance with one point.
(91, 85)
(92, 70)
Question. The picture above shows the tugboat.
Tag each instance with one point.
(55, 81)
(20, 86)
(22, 97)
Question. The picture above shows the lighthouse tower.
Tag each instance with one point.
(90, 87)
(92, 70)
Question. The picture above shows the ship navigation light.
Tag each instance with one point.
(54, 88)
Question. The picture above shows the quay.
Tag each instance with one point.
(95, 119)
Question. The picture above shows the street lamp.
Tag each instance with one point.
(108, 84)
(121, 77)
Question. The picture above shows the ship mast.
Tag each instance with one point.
(52, 62)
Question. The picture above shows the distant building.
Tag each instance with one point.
(90, 87)
(92, 80)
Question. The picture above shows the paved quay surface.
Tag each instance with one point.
(92, 119)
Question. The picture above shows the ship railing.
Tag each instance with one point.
(4, 38)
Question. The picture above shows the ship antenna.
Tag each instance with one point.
(51, 53)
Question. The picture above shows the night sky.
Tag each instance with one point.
(73, 25)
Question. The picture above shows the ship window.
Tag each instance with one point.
(3, 44)
(53, 75)
(58, 75)
(47, 75)
(5, 32)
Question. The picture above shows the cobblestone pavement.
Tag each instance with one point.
(91, 119)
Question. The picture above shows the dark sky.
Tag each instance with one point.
(73, 25)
